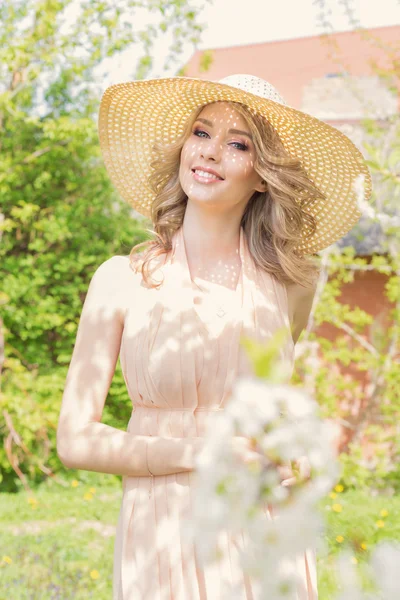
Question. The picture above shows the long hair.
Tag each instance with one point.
(272, 220)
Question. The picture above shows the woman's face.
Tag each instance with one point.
(217, 159)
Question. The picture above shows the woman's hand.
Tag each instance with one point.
(302, 466)
(244, 449)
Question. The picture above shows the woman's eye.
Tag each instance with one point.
(240, 146)
(199, 132)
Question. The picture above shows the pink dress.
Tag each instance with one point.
(179, 361)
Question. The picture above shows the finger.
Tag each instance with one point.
(304, 467)
(285, 472)
(288, 482)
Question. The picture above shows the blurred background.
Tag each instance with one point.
(60, 218)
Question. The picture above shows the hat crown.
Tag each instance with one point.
(254, 85)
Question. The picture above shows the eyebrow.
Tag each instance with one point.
(239, 131)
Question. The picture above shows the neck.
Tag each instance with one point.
(210, 243)
(218, 269)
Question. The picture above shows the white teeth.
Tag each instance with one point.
(205, 174)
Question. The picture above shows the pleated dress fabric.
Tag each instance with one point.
(179, 360)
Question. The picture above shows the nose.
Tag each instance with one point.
(211, 150)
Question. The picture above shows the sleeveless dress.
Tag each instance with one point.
(179, 360)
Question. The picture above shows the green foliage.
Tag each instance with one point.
(356, 377)
(356, 380)
(265, 358)
(62, 216)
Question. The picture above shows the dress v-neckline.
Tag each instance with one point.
(206, 311)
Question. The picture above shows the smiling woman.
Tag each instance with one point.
(241, 190)
(256, 180)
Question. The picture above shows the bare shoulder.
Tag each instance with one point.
(113, 283)
(117, 267)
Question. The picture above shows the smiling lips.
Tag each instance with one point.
(206, 175)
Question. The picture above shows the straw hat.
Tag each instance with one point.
(134, 115)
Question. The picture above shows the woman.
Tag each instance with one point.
(242, 190)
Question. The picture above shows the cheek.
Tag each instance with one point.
(186, 159)
(188, 150)
(241, 168)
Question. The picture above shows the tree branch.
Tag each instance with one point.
(42, 151)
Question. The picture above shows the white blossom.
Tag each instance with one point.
(385, 562)
(283, 422)
(234, 496)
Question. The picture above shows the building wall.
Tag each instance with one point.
(296, 66)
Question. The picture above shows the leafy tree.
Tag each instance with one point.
(61, 217)
(356, 378)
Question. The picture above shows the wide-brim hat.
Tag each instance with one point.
(136, 114)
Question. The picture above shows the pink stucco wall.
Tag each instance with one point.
(292, 64)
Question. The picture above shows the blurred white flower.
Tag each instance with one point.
(233, 495)
(250, 405)
(385, 220)
(348, 578)
(384, 564)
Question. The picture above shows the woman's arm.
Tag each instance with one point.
(300, 300)
(83, 442)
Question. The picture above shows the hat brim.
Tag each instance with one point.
(136, 114)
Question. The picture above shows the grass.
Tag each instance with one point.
(58, 542)
(356, 522)
(59, 545)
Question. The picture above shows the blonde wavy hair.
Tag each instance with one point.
(271, 220)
